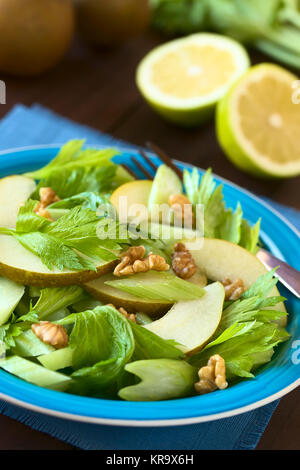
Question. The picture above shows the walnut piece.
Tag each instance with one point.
(49, 333)
(182, 208)
(134, 253)
(42, 211)
(133, 261)
(212, 376)
(233, 290)
(47, 197)
(182, 262)
(129, 316)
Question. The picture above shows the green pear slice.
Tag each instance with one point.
(14, 191)
(19, 264)
(10, 295)
(23, 267)
(118, 298)
(165, 183)
(220, 259)
(194, 322)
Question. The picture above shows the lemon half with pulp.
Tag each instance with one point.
(184, 79)
(258, 123)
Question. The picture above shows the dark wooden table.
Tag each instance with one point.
(98, 89)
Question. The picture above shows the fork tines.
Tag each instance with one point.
(142, 168)
(161, 154)
(165, 158)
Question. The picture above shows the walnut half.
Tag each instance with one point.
(182, 262)
(133, 261)
(49, 333)
(212, 376)
(233, 290)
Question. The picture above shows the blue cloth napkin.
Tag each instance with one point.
(35, 126)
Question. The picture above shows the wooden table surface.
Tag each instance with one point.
(97, 88)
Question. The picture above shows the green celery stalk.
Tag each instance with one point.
(158, 286)
(35, 373)
(161, 379)
(279, 53)
(29, 345)
(58, 359)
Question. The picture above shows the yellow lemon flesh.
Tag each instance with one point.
(258, 123)
(184, 79)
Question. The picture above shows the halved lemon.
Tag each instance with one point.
(185, 78)
(258, 123)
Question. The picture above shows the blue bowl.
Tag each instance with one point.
(273, 381)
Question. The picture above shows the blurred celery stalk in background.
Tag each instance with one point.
(272, 26)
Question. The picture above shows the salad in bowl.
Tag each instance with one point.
(126, 289)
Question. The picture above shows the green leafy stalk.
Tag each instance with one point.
(272, 26)
(102, 343)
(150, 346)
(72, 242)
(75, 171)
(219, 222)
(87, 200)
(56, 298)
(16, 326)
(241, 350)
(248, 333)
(71, 156)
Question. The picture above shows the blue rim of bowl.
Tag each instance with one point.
(218, 405)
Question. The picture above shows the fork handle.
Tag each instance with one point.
(287, 275)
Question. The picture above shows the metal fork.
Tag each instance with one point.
(286, 274)
(149, 174)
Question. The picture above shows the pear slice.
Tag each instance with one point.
(118, 298)
(132, 194)
(194, 322)
(165, 183)
(14, 191)
(10, 295)
(19, 264)
(23, 267)
(220, 259)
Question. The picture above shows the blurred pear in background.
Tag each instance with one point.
(34, 34)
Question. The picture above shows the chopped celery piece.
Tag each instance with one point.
(55, 298)
(149, 345)
(23, 306)
(57, 213)
(58, 315)
(58, 359)
(34, 291)
(35, 373)
(170, 233)
(155, 285)
(10, 295)
(161, 379)
(86, 304)
(143, 318)
(29, 345)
